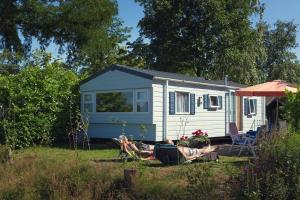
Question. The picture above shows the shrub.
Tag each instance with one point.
(5, 154)
(292, 110)
(275, 173)
(201, 183)
(37, 104)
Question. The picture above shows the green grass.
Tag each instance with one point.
(58, 165)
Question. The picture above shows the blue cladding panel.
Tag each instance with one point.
(206, 101)
(220, 102)
(108, 131)
(192, 104)
(172, 103)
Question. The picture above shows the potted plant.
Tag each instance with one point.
(184, 141)
(199, 139)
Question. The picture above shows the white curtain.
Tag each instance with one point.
(182, 102)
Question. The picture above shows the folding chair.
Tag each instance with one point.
(241, 139)
(123, 155)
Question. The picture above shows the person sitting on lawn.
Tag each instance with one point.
(193, 153)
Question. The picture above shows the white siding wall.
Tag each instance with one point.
(251, 123)
(101, 124)
(211, 121)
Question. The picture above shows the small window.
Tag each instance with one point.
(252, 107)
(214, 101)
(182, 102)
(88, 103)
(142, 101)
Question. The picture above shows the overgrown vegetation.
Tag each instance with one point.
(292, 110)
(59, 173)
(38, 105)
(275, 174)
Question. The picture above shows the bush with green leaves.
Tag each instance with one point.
(275, 173)
(292, 110)
(37, 105)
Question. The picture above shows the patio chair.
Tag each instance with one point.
(123, 155)
(169, 154)
(241, 139)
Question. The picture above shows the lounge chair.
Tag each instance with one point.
(241, 139)
(169, 154)
(123, 155)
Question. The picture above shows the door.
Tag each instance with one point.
(233, 111)
(231, 108)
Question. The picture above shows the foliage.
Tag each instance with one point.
(292, 110)
(275, 173)
(281, 62)
(39, 104)
(88, 31)
(9, 62)
(201, 37)
(201, 183)
(5, 154)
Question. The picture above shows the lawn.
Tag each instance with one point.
(41, 172)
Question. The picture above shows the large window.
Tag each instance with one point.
(214, 101)
(119, 101)
(88, 103)
(252, 106)
(142, 102)
(182, 102)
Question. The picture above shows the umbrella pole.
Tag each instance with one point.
(276, 120)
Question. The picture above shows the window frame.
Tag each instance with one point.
(136, 100)
(112, 91)
(189, 103)
(210, 102)
(87, 102)
(249, 106)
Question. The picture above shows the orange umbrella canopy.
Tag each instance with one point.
(274, 88)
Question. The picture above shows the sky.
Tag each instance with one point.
(285, 10)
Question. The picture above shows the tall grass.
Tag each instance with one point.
(58, 173)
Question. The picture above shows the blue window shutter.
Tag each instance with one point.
(206, 103)
(246, 106)
(220, 102)
(192, 104)
(255, 106)
(172, 103)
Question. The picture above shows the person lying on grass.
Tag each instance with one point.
(193, 153)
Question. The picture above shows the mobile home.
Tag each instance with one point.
(166, 105)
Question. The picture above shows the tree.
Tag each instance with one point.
(281, 62)
(87, 30)
(209, 38)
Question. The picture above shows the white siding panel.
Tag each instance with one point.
(251, 122)
(211, 121)
(158, 110)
